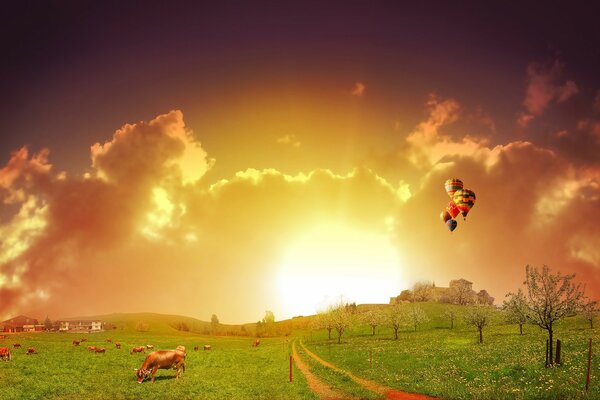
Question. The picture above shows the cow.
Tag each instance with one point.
(195, 348)
(163, 359)
(207, 347)
(92, 348)
(2, 337)
(118, 345)
(99, 350)
(76, 342)
(83, 340)
(17, 345)
(5, 353)
(109, 340)
(31, 350)
(180, 348)
(150, 347)
(256, 343)
(138, 349)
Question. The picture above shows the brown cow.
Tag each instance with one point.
(150, 346)
(118, 345)
(180, 348)
(207, 347)
(256, 343)
(17, 345)
(163, 359)
(31, 350)
(92, 348)
(5, 353)
(83, 340)
(2, 337)
(109, 340)
(100, 350)
(195, 348)
(76, 342)
(138, 349)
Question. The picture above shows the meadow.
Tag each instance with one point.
(434, 360)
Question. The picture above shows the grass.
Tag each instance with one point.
(452, 364)
(233, 369)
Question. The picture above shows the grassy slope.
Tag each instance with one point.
(453, 365)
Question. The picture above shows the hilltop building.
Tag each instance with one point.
(459, 291)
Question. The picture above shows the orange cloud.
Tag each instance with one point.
(359, 89)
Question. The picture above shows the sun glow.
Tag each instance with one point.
(332, 261)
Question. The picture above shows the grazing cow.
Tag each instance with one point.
(195, 348)
(138, 349)
(109, 340)
(118, 345)
(5, 353)
(100, 350)
(207, 347)
(76, 342)
(17, 345)
(31, 350)
(256, 343)
(180, 348)
(163, 359)
(83, 340)
(150, 346)
(92, 348)
(2, 337)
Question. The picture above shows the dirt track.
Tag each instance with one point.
(389, 393)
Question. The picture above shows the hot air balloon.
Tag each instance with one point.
(464, 200)
(445, 216)
(451, 224)
(452, 185)
(452, 209)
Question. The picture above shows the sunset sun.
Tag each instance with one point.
(336, 261)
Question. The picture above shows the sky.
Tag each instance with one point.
(231, 158)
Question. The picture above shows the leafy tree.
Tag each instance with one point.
(550, 298)
(479, 316)
(341, 319)
(450, 315)
(417, 316)
(214, 322)
(269, 317)
(483, 297)
(372, 318)
(422, 291)
(47, 324)
(396, 317)
(324, 321)
(460, 292)
(516, 309)
(589, 310)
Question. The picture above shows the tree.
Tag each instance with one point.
(550, 298)
(341, 319)
(142, 326)
(516, 309)
(372, 318)
(589, 310)
(479, 316)
(269, 317)
(460, 292)
(483, 297)
(214, 322)
(417, 316)
(450, 315)
(324, 321)
(47, 324)
(422, 291)
(396, 317)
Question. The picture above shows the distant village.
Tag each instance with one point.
(23, 323)
(459, 291)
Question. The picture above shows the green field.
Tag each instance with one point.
(433, 360)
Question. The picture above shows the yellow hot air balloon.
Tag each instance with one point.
(464, 200)
(452, 185)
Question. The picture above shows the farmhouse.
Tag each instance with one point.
(80, 326)
(21, 324)
(459, 291)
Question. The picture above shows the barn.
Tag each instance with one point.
(21, 323)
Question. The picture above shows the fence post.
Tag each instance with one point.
(589, 366)
(290, 368)
(557, 360)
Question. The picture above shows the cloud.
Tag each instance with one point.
(290, 140)
(544, 86)
(359, 89)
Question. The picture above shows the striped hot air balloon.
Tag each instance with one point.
(445, 216)
(464, 200)
(452, 209)
(452, 185)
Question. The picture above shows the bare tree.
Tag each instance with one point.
(589, 310)
(417, 316)
(372, 318)
(450, 315)
(516, 309)
(396, 317)
(479, 316)
(422, 291)
(550, 298)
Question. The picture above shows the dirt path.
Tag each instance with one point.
(318, 387)
(389, 393)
